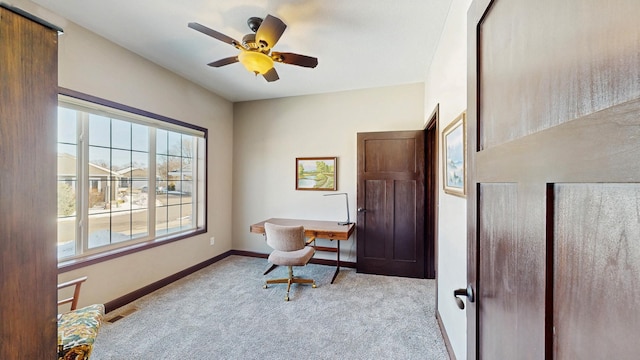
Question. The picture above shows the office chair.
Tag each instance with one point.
(290, 250)
(77, 328)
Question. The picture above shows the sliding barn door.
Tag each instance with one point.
(28, 263)
(554, 170)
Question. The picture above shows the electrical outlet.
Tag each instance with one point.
(212, 240)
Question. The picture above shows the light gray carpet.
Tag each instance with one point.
(222, 312)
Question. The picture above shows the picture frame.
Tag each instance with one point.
(317, 173)
(454, 162)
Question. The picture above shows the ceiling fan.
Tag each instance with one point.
(255, 49)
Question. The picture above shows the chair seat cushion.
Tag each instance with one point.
(292, 258)
(78, 330)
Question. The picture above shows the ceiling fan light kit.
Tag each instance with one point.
(255, 49)
(256, 62)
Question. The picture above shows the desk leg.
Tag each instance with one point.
(337, 262)
(273, 266)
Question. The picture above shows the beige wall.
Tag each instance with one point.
(92, 65)
(447, 85)
(252, 149)
(270, 134)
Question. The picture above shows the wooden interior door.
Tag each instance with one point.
(28, 111)
(554, 179)
(390, 224)
(431, 182)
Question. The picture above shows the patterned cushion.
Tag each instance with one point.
(78, 329)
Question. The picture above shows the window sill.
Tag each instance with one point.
(78, 263)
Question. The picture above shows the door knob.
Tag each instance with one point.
(362, 210)
(468, 292)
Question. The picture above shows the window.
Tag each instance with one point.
(125, 177)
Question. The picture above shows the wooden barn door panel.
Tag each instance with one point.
(375, 229)
(511, 270)
(553, 193)
(28, 263)
(597, 267)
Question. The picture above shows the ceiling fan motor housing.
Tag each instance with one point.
(249, 41)
(254, 23)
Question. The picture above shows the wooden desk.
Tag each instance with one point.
(320, 229)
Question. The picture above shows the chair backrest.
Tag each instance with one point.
(76, 292)
(284, 238)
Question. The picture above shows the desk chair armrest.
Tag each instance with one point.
(76, 292)
(310, 240)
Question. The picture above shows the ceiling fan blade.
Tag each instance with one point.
(271, 75)
(214, 34)
(223, 62)
(295, 59)
(269, 32)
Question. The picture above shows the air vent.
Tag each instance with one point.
(122, 314)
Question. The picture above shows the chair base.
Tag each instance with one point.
(290, 280)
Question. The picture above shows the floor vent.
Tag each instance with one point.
(122, 315)
(115, 318)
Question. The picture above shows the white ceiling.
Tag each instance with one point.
(359, 43)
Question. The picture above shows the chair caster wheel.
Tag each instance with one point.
(264, 286)
(313, 285)
(286, 298)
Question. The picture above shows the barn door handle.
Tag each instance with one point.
(468, 292)
(362, 210)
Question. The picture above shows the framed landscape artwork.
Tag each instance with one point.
(454, 162)
(316, 173)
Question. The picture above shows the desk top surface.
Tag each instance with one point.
(317, 228)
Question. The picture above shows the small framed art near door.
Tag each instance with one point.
(454, 161)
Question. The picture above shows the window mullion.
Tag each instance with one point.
(195, 175)
(82, 239)
(151, 203)
(201, 181)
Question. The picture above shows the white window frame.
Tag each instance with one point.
(88, 104)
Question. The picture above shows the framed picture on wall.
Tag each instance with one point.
(317, 173)
(454, 156)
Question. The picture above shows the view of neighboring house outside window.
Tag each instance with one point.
(108, 159)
